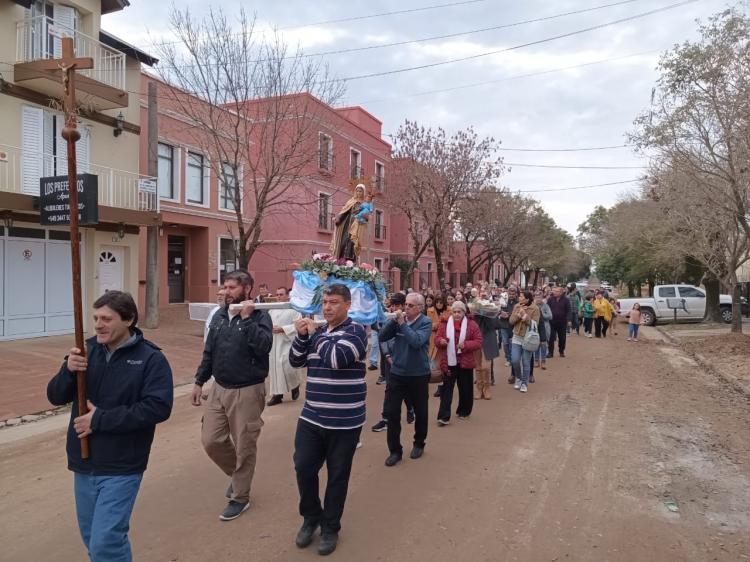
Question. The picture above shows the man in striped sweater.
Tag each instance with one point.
(333, 415)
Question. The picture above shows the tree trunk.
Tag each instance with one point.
(713, 289)
(438, 261)
(736, 308)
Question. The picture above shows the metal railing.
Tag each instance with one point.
(326, 161)
(356, 172)
(326, 221)
(380, 182)
(117, 188)
(380, 231)
(39, 38)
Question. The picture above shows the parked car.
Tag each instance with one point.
(690, 302)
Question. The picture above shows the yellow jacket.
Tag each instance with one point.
(603, 308)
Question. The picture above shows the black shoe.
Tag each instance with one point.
(511, 380)
(305, 533)
(409, 416)
(438, 390)
(229, 492)
(295, 392)
(382, 425)
(275, 399)
(381, 380)
(328, 541)
(416, 452)
(372, 368)
(233, 510)
(531, 378)
(550, 356)
(392, 459)
(562, 354)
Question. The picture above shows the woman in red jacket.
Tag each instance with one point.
(457, 339)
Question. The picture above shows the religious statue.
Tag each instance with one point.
(351, 225)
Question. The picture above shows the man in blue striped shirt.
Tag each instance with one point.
(331, 420)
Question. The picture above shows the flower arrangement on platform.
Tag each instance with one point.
(325, 265)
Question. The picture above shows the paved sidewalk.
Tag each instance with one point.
(27, 365)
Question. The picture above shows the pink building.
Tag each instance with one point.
(196, 240)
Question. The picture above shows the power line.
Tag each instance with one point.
(508, 78)
(515, 47)
(564, 149)
(540, 190)
(519, 165)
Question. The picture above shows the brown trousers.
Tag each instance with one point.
(231, 427)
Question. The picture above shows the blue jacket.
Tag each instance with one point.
(132, 392)
(410, 347)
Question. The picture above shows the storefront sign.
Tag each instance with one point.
(53, 200)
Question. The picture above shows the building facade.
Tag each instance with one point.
(35, 270)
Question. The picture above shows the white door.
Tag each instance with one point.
(695, 301)
(24, 290)
(111, 269)
(59, 288)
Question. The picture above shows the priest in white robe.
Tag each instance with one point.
(283, 378)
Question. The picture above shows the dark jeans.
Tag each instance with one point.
(600, 327)
(587, 322)
(575, 322)
(313, 446)
(557, 331)
(506, 334)
(416, 389)
(385, 369)
(464, 378)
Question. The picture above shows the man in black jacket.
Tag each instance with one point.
(560, 307)
(236, 354)
(129, 385)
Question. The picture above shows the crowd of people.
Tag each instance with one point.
(460, 338)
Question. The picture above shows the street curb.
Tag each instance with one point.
(738, 385)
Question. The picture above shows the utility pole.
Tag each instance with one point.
(152, 232)
(67, 65)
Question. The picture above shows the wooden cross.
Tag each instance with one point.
(68, 65)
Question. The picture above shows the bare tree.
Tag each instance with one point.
(251, 104)
(698, 131)
(450, 169)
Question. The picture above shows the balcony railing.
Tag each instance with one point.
(117, 188)
(380, 231)
(39, 38)
(356, 172)
(379, 182)
(326, 221)
(326, 161)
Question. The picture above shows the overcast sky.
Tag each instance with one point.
(588, 106)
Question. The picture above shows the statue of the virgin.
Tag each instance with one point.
(351, 225)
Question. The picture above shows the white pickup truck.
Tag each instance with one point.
(689, 301)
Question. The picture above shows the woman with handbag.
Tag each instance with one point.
(457, 339)
(524, 319)
(436, 313)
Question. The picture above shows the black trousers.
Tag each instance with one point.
(464, 378)
(417, 390)
(313, 446)
(385, 369)
(600, 327)
(587, 322)
(559, 332)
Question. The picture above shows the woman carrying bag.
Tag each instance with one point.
(525, 316)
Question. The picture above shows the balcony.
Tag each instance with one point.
(39, 38)
(326, 162)
(380, 231)
(123, 195)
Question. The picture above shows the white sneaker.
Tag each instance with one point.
(589, 336)
(517, 385)
(635, 340)
(630, 339)
(524, 388)
(359, 444)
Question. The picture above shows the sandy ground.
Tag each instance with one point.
(578, 469)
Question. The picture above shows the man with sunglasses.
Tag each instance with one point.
(409, 374)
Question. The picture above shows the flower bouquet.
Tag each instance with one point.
(484, 308)
(363, 280)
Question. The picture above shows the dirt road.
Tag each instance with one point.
(578, 469)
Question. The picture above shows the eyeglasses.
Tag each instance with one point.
(410, 305)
